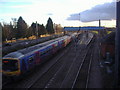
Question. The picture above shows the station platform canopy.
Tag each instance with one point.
(82, 28)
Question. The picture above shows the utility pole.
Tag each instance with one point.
(79, 26)
(36, 30)
(79, 20)
(99, 23)
(117, 48)
(1, 55)
(76, 40)
(99, 27)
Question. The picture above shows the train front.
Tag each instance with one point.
(10, 67)
(11, 64)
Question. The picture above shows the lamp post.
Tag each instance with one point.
(76, 40)
(79, 20)
(79, 26)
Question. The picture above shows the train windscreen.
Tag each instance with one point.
(9, 65)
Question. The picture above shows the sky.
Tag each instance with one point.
(64, 12)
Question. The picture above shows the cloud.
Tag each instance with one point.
(105, 11)
(49, 13)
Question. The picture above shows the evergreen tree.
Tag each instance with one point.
(49, 26)
(21, 28)
(33, 27)
(39, 30)
(43, 30)
(36, 29)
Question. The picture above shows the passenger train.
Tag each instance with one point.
(18, 63)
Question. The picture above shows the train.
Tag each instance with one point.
(16, 64)
(107, 47)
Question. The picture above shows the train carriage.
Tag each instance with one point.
(45, 52)
(17, 63)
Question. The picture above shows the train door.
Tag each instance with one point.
(55, 48)
(23, 66)
(63, 43)
(59, 44)
(31, 61)
(37, 58)
(42, 55)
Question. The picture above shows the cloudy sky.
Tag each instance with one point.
(64, 12)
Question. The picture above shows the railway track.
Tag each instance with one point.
(45, 80)
(63, 77)
(71, 77)
(65, 72)
(59, 76)
(28, 83)
(83, 74)
(42, 80)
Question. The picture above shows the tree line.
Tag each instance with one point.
(20, 29)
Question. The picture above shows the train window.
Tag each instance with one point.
(31, 59)
(49, 49)
(46, 50)
(10, 65)
(42, 53)
(37, 54)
